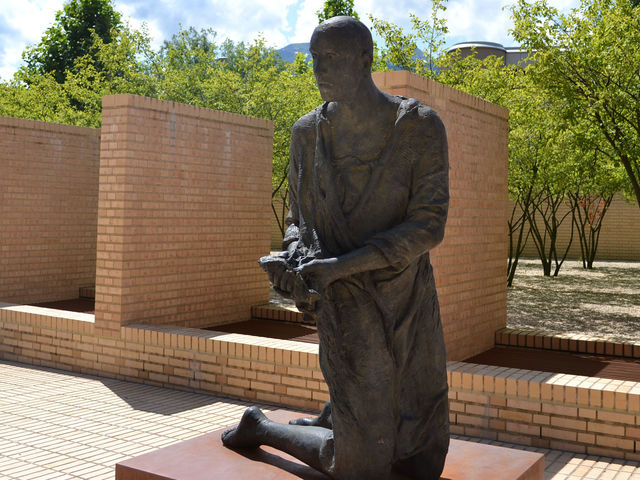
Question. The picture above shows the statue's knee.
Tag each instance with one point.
(428, 464)
(361, 462)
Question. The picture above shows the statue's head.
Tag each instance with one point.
(342, 50)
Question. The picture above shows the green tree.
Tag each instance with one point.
(187, 65)
(596, 182)
(402, 49)
(548, 211)
(589, 62)
(71, 37)
(120, 66)
(246, 78)
(44, 100)
(538, 182)
(335, 8)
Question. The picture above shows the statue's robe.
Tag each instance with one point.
(381, 346)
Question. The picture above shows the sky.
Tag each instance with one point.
(23, 22)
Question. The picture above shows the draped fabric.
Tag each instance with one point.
(381, 346)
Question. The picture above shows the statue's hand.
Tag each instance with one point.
(320, 273)
(280, 275)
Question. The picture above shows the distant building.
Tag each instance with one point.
(510, 55)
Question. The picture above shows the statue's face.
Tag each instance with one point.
(338, 66)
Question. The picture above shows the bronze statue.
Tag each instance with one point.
(369, 199)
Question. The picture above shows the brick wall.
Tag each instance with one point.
(469, 265)
(582, 414)
(183, 214)
(619, 237)
(594, 416)
(48, 209)
(252, 368)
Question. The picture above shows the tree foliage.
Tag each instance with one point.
(335, 8)
(563, 167)
(589, 62)
(107, 68)
(250, 79)
(419, 50)
(71, 37)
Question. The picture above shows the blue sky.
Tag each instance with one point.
(22, 22)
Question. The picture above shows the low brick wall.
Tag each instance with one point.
(589, 415)
(280, 372)
(582, 414)
(568, 412)
(273, 312)
(569, 342)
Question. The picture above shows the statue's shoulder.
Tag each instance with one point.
(305, 126)
(412, 110)
(416, 109)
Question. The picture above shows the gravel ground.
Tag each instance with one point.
(603, 302)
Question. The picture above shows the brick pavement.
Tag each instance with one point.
(57, 425)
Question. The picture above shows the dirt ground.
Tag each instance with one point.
(603, 302)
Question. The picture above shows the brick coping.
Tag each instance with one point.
(568, 342)
(48, 312)
(212, 335)
(577, 390)
(272, 311)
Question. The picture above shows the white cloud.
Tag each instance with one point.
(479, 20)
(487, 20)
(241, 20)
(396, 12)
(306, 20)
(22, 23)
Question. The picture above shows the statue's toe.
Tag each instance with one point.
(247, 433)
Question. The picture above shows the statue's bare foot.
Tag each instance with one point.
(248, 432)
(323, 420)
(319, 421)
(305, 421)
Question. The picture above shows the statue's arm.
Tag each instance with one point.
(277, 266)
(299, 139)
(423, 227)
(292, 232)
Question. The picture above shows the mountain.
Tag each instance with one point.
(288, 53)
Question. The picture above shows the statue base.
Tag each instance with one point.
(204, 458)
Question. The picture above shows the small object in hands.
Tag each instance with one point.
(273, 264)
(306, 298)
